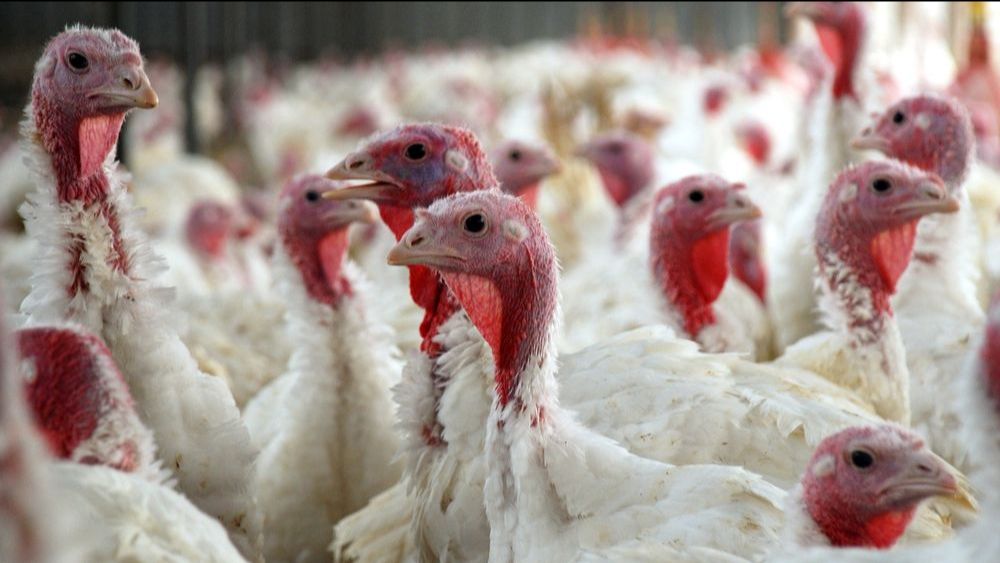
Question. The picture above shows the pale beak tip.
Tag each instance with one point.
(395, 258)
(868, 142)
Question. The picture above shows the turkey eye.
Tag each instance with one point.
(696, 196)
(615, 147)
(881, 185)
(77, 61)
(416, 151)
(475, 224)
(312, 195)
(898, 118)
(862, 459)
(515, 155)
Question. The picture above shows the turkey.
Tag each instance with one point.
(862, 488)
(978, 384)
(760, 408)
(628, 173)
(520, 168)
(442, 386)
(686, 276)
(201, 261)
(937, 306)
(102, 513)
(553, 487)
(689, 246)
(865, 234)
(98, 271)
(324, 428)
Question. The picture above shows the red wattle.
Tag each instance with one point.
(484, 305)
(834, 46)
(710, 262)
(98, 135)
(892, 250)
(885, 529)
(616, 188)
(332, 250)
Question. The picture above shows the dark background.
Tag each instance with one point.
(193, 32)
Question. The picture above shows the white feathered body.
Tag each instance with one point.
(939, 314)
(125, 518)
(233, 335)
(555, 488)
(325, 428)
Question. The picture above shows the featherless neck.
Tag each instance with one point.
(515, 312)
(843, 527)
(843, 46)
(319, 259)
(691, 276)
(860, 273)
(78, 146)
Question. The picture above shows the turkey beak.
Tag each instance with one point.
(925, 475)
(361, 166)
(738, 208)
(931, 198)
(130, 90)
(354, 211)
(869, 141)
(546, 165)
(419, 247)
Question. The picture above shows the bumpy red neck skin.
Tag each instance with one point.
(844, 527)
(426, 288)
(843, 47)
(691, 276)
(513, 311)
(320, 260)
(66, 394)
(616, 187)
(78, 148)
(877, 261)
